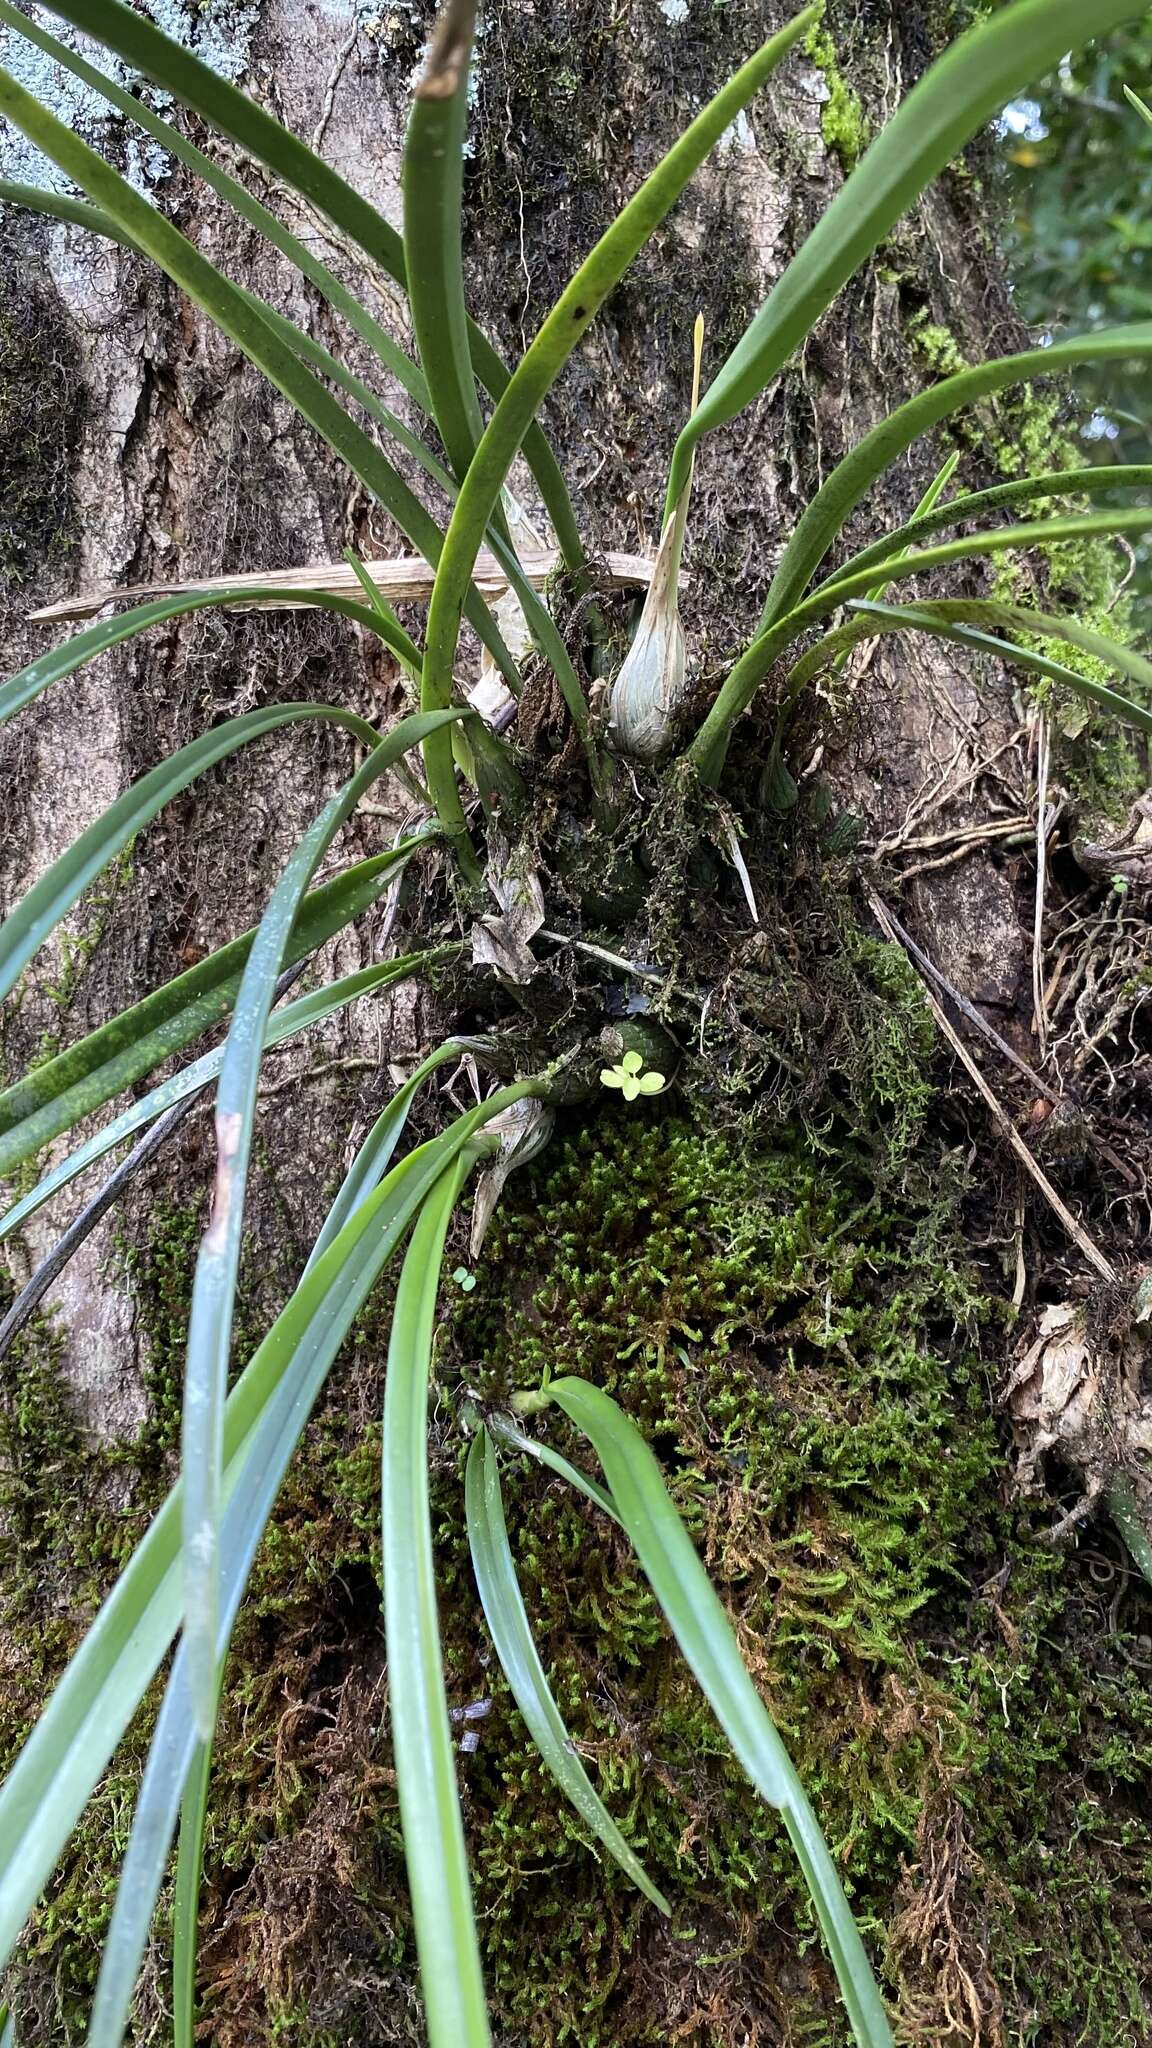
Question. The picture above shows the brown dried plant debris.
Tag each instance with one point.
(1081, 1393)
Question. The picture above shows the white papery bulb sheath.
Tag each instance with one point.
(648, 691)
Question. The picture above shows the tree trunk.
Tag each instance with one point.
(816, 1350)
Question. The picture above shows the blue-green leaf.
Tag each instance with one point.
(434, 1849)
(511, 1634)
(704, 1634)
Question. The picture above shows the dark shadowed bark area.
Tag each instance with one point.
(807, 1274)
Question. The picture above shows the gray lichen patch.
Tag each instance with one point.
(219, 31)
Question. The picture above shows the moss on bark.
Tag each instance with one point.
(811, 1359)
(780, 1297)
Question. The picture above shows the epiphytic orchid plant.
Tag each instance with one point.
(187, 1578)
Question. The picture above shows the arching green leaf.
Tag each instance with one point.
(511, 1634)
(569, 318)
(704, 1633)
(965, 89)
(434, 1851)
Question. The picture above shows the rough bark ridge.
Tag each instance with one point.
(816, 1359)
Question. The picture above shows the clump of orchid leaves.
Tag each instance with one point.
(185, 1581)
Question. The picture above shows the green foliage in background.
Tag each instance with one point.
(1078, 161)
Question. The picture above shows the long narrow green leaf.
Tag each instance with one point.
(517, 1439)
(960, 620)
(704, 1633)
(62, 206)
(170, 1773)
(413, 660)
(863, 465)
(175, 1743)
(994, 540)
(63, 661)
(375, 1154)
(389, 628)
(965, 89)
(231, 113)
(433, 182)
(59, 207)
(708, 749)
(388, 352)
(869, 620)
(286, 1023)
(56, 1772)
(545, 358)
(434, 1848)
(1096, 482)
(541, 623)
(931, 497)
(81, 1079)
(34, 918)
(186, 1898)
(511, 1633)
(218, 1265)
(239, 315)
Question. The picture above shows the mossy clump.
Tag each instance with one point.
(42, 1471)
(842, 121)
(807, 1365)
(64, 1530)
(156, 1264)
(887, 1071)
(802, 1345)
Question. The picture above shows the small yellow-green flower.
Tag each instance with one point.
(630, 1078)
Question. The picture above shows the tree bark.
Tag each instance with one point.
(182, 463)
(143, 448)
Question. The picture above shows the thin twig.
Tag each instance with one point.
(602, 953)
(1043, 760)
(333, 82)
(949, 860)
(356, 1063)
(1021, 1286)
(402, 579)
(993, 828)
(928, 800)
(1076, 1230)
(967, 1009)
(1009, 1052)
